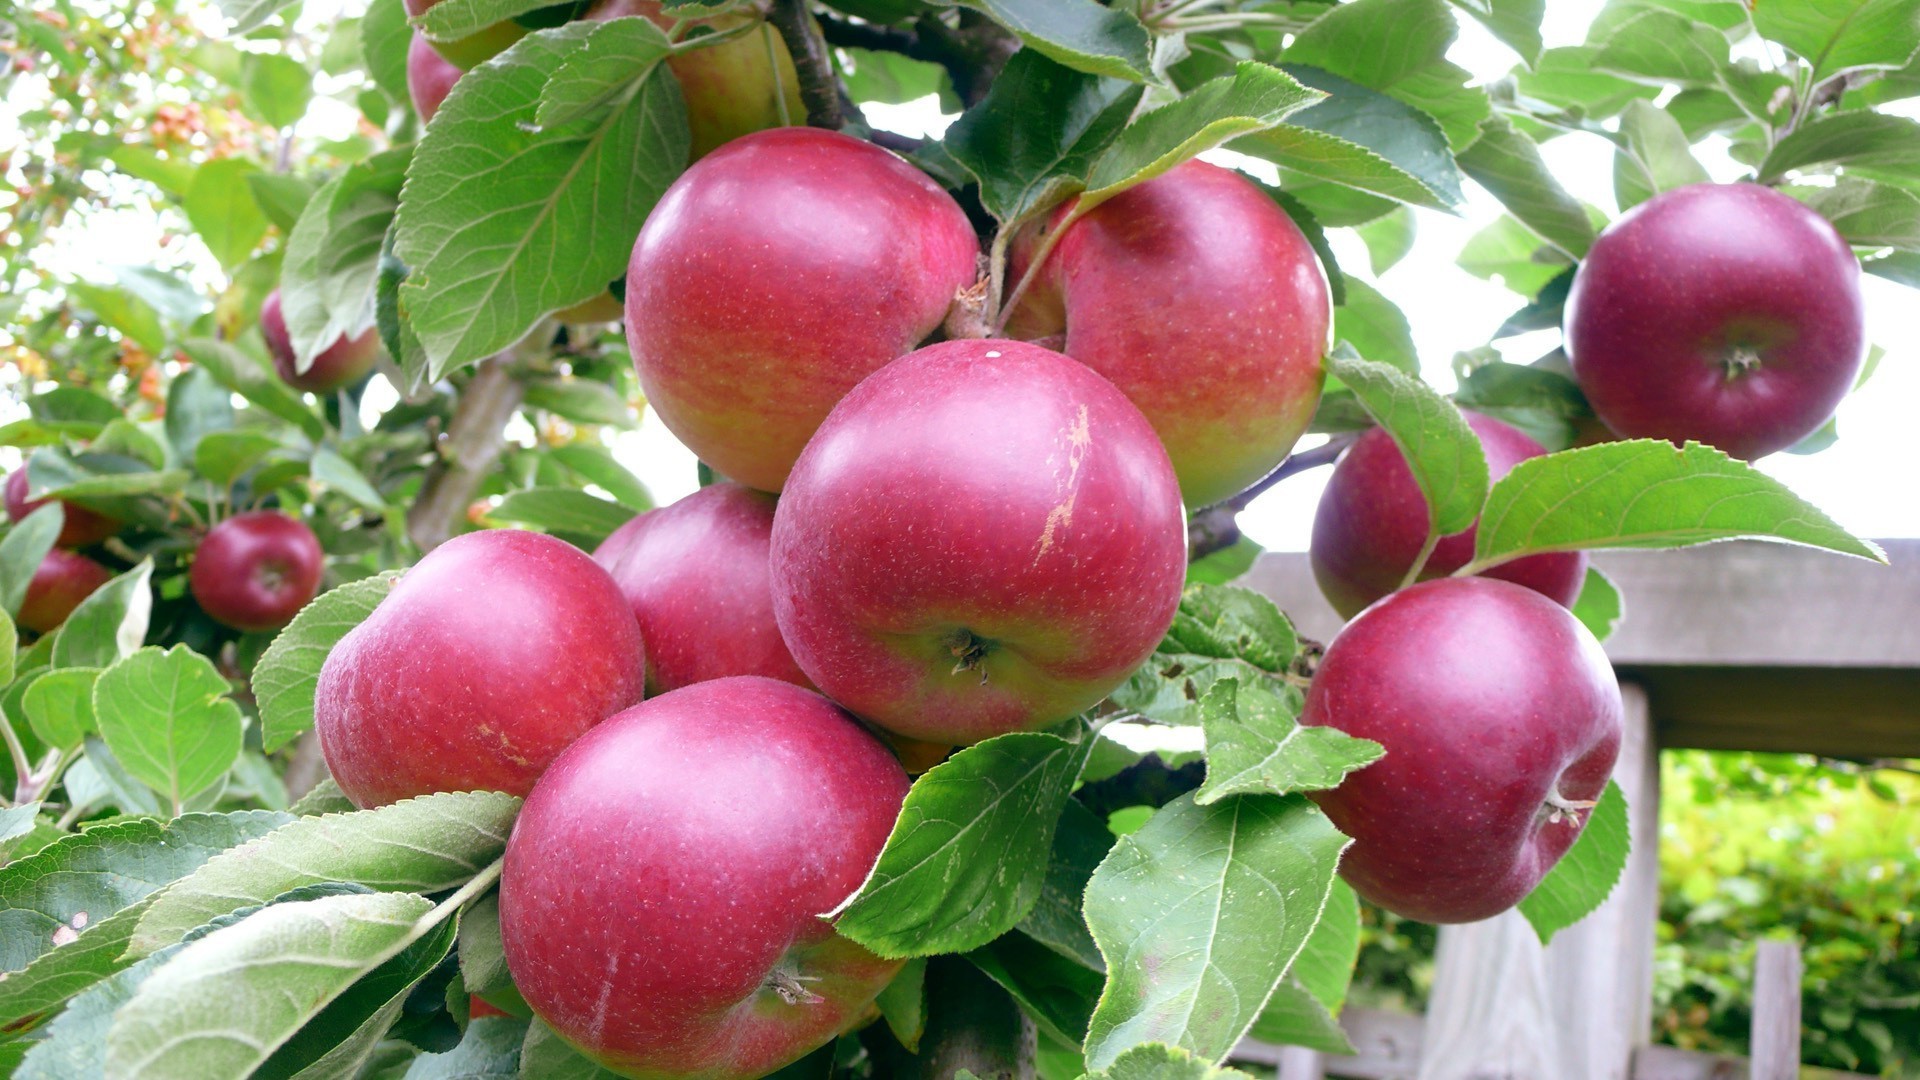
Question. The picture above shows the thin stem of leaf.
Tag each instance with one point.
(1420, 562)
(22, 768)
(467, 893)
(1040, 254)
(779, 80)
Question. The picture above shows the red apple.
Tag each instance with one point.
(488, 658)
(1372, 522)
(255, 571)
(775, 274)
(1204, 303)
(660, 907)
(61, 581)
(732, 88)
(1500, 717)
(80, 527)
(984, 537)
(430, 78)
(696, 574)
(1726, 313)
(477, 48)
(342, 363)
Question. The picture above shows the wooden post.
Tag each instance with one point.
(1299, 1063)
(1504, 1007)
(1776, 1011)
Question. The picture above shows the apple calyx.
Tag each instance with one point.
(1741, 360)
(969, 651)
(1559, 807)
(791, 987)
(969, 317)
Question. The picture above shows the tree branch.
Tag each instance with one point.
(972, 1024)
(819, 86)
(1215, 528)
(468, 452)
(973, 51)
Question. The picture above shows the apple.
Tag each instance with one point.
(430, 77)
(342, 363)
(1725, 313)
(490, 656)
(80, 527)
(475, 49)
(983, 537)
(660, 905)
(731, 88)
(697, 576)
(1205, 304)
(59, 583)
(1501, 721)
(1372, 522)
(255, 571)
(775, 274)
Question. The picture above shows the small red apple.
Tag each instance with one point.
(342, 363)
(488, 658)
(732, 88)
(61, 581)
(697, 576)
(660, 907)
(430, 78)
(1726, 313)
(775, 274)
(80, 527)
(1500, 717)
(255, 571)
(984, 537)
(1372, 522)
(1205, 304)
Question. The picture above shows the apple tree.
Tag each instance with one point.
(365, 718)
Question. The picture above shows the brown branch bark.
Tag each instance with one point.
(468, 452)
(819, 85)
(1215, 528)
(972, 1024)
(973, 50)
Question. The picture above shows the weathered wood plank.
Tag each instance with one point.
(1776, 1011)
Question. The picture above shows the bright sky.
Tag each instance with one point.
(1866, 480)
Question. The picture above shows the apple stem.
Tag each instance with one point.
(1420, 561)
(1559, 807)
(791, 986)
(1741, 359)
(1214, 528)
(969, 652)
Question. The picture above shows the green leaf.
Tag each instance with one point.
(1056, 992)
(80, 880)
(1365, 139)
(1645, 493)
(584, 401)
(490, 1050)
(1255, 743)
(1219, 632)
(1508, 163)
(173, 175)
(1035, 136)
(968, 855)
(617, 54)
(166, 715)
(1662, 47)
(276, 88)
(1225, 565)
(59, 706)
(384, 39)
(52, 471)
(892, 78)
(1508, 253)
(562, 510)
(1515, 22)
(1080, 841)
(1541, 402)
(22, 551)
(1857, 140)
(1866, 213)
(450, 20)
(223, 1004)
(1584, 876)
(1158, 1061)
(131, 440)
(15, 822)
(1388, 240)
(333, 255)
(1653, 156)
(483, 961)
(339, 474)
(1294, 1017)
(903, 1004)
(324, 798)
(423, 845)
(223, 456)
(503, 222)
(288, 671)
(109, 624)
(596, 465)
(1375, 327)
(1082, 34)
(196, 405)
(220, 205)
(1833, 35)
(1199, 914)
(251, 377)
(1254, 98)
(249, 15)
(122, 311)
(545, 1056)
(1600, 606)
(1441, 449)
(1377, 43)
(1324, 967)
